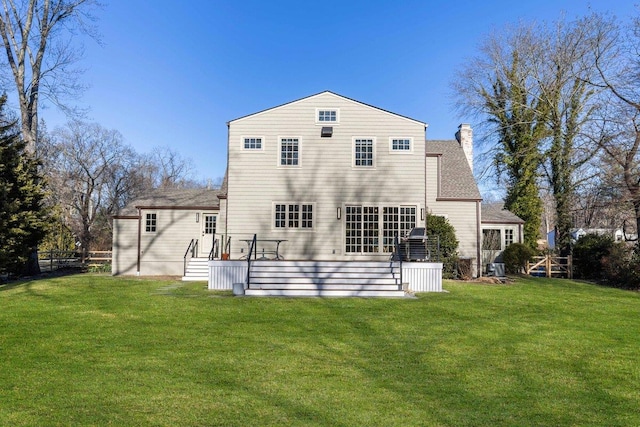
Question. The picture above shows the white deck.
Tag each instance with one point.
(325, 278)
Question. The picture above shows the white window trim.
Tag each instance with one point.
(392, 151)
(317, 118)
(280, 138)
(353, 152)
(288, 229)
(242, 147)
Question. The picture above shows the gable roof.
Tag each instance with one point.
(495, 213)
(456, 177)
(325, 93)
(188, 199)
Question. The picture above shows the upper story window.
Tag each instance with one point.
(252, 143)
(401, 145)
(289, 152)
(327, 115)
(363, 153)
(151, 223)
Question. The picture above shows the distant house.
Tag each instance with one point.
(324, 177)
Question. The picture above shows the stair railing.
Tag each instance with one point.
(252, 248)
(215, 248)
(398, 255)
(193, 248)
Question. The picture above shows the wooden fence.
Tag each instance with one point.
(551, 266)
(55, 260)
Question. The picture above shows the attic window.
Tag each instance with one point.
(326, 132)
(327, 115)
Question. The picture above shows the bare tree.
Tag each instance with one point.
(614, 51)
(500, 87)
(36, 38)
(529, 90)
(93, 174)
(168, 169)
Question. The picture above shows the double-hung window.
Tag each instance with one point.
(289, 152)
(293, 216)
(363, 152)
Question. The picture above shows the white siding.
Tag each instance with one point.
(162, 252)
(125, 249)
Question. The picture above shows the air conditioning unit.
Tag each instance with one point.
(498, 269)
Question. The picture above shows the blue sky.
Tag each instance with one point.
(173, 73)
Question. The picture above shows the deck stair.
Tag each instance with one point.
(325, 279)
(197, 270)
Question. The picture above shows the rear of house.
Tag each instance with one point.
(322, 178)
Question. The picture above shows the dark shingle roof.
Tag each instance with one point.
(497, 214)
(456, 179)
(174, 199)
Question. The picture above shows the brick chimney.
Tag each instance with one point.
(465, 139)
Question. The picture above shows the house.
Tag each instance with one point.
(324, 177)
(339, 179)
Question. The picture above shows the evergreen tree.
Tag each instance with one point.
(438, 227)
(23, 218)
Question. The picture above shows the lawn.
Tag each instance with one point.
(96, 350)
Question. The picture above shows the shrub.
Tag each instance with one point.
(515, 257)
(621, 267)
(588, 254)
(438, 226)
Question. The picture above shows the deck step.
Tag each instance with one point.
(197, 270)
(324, 279)
(324, 293)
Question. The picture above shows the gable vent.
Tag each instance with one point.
(326, 132)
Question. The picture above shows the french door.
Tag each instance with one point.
(372, 229)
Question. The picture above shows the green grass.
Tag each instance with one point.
(97, 350)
